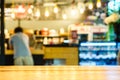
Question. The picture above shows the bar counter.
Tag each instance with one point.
(68, 53)
(33, 51)
(59, 72)
(38, 57)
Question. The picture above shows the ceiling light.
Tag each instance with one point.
(90, 5)
(46, 12)
(73, 10)
(13, 15)
(56, 9)
(98, 3)
(64, 16)
(81, 7)
(37, 13)
(30, 11)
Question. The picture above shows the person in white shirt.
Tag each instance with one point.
(20, 44)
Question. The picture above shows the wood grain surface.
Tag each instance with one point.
(59, 73)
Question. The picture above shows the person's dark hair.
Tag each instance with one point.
(18, 29)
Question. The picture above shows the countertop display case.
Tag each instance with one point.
(97, 53)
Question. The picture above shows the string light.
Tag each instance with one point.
(46, 12)
(64, 16)
(13, 11)
(56, 9)
(30, 10)
(81, 7)
(90, 6)
(82, 10)
(98, 4)
(37, 13)
(13, 15)
(74, 9)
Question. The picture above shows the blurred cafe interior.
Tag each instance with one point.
(69, 39)
(64, 32)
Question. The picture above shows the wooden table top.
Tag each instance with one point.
(59, 73)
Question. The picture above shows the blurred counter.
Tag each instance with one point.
(38, 57)
(66, 52)
(33, 51)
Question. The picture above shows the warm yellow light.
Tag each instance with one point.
(6, 31)
(31, 6)
(37, 13)
(47, 12)
(64, 16)
(98, 3)
(73, 11)
(81, 7)
(13, 15)
(82, 10)
(90, 6)
(55, 9)
(30, 11)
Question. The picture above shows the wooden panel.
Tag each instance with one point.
(70, 54)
